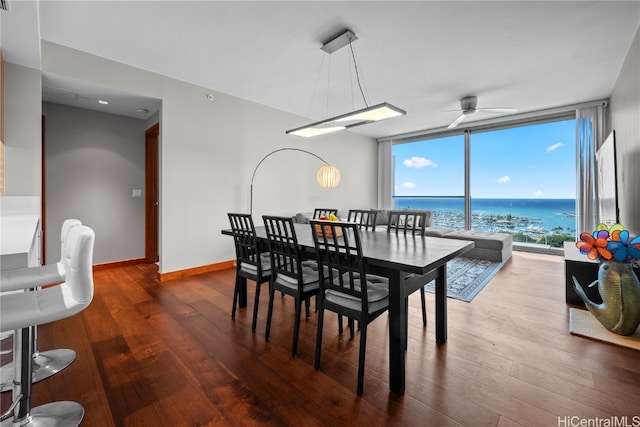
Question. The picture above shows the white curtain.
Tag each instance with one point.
(385, 175)
(592, 125)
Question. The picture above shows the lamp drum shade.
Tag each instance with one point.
(328, 176)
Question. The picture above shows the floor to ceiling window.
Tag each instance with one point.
(522, 180)
(430, 175)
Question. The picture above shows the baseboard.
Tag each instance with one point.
(122, 263)
(196, 270)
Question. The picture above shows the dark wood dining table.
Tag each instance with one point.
(409, 262)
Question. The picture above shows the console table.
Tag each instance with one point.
(585, 270)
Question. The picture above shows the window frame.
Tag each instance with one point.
(506, 122)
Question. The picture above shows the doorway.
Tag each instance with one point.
(151, 194)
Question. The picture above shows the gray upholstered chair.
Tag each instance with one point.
(324, 212)
(251, 263)
(290, 274)
(410, 222)
(407, 222)
(365, 218)
(351, 292)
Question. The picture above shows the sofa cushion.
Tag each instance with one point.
(382, 216)
(437, 232)
(490, 254)
(303, 217)
(483, 239)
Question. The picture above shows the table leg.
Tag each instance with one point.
(441, 305)
(397, 333)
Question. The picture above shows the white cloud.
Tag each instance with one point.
(554, 147)
(408, 184)
(419, 162)
(504, 179)
(538, 193)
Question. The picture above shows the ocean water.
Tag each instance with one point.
(535, 217)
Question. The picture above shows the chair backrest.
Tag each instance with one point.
(67, 225)
(407, 222)
(283, 247)
(324, 212)
(48, 304)
(366, 219)
(79, 254)
(340, 261)
(36, 276)
(246, 242)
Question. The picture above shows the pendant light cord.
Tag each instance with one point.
(355, 65)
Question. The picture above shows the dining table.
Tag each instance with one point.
(409, 262)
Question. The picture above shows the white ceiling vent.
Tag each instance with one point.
(50, 93)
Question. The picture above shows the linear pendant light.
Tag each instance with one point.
(349, 120)
(369, 114)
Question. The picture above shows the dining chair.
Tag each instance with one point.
(290, 274)
(407, 221)
(351, 292)
(251, 263)
(413, 223)
(324, 212)
(365, 218)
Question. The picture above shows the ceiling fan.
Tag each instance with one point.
(468, 107)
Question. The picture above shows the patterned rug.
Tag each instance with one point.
(466, 277)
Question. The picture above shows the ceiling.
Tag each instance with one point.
(422, 56)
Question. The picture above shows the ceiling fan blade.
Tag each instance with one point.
(457, 121)
(497, 110)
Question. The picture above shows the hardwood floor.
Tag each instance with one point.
(156, 353)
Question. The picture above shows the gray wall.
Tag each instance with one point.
(22, 130)
(625, 120)
(93, 161)
(208, 151)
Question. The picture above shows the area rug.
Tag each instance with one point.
(466, 277)
(582, 323)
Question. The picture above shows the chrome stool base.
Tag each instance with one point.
(45, 364)
(55, 414)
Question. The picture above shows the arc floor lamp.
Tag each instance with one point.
(328, 176)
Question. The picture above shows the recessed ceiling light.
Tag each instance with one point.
(103, 102)
(142, 110)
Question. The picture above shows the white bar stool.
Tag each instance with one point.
(45, 363)
(22, 310)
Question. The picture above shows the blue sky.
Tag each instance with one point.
(535, 161)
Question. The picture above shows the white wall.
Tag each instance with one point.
(208, 151)
(22, 130)
(625, 120)
(93, 161)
